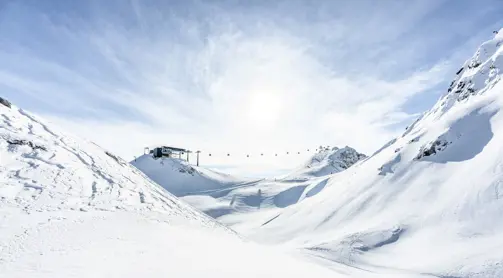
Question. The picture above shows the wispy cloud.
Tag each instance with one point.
(236, 77)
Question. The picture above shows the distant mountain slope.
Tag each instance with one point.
(181, 178)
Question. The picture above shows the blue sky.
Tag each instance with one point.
(239, 77)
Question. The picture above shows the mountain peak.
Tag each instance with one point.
(477, 75)
(328, 161)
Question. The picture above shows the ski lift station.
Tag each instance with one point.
(165, 151)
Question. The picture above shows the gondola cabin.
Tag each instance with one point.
(167, 152)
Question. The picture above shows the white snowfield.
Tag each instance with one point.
(68, 208)
(428, 203)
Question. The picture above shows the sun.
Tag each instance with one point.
(264, 109)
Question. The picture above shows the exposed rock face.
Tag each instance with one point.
(328, 161)
(432, 148)
(5, 102)
(345, 157)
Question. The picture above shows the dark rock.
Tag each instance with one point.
(433, 148)
(5, 102)
(187, 169)
(26, 143)
(450, 86)
(413, 140)
(116, 158)
(474, 64)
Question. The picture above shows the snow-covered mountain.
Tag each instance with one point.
(69, 208)
(326, 162)
(430, 202)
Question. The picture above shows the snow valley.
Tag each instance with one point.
(427, 204)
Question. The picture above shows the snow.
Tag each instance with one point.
(121, 244)
(326, 162)
(181, 178)
(69, 208)
(429, 203)
(229, 199)
(448, 205)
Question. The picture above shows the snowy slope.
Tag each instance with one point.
(247, 205)
(43, 169)
(218, 194)
(429, 202)
(68, 208)
(181, 178)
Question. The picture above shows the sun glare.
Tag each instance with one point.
(264, 109)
